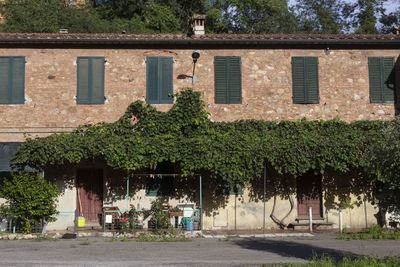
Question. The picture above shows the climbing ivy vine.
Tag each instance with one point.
(233, 151)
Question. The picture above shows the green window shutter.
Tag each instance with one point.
(389, 78)
(5, 81)
(312, 90)
(152, 80)
(228, 80)
(305, 80)
(375, 79)
(220, 80)
(90, 80)
(97, 88)
(18, 80)
(159, 80)
(234, 80)
(12, 80)
(298, 80)
(166, 77)
(83, 81)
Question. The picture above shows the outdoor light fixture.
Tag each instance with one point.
(195, 56)
(327, 51)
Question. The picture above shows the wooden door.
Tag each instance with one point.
(90, 194)
(309, 194)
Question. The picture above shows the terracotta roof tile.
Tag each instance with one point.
(102, 37)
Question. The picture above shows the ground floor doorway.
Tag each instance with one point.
(309, 194)
(90, 194)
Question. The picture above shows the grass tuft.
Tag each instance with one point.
(373, 233)
(326, 261)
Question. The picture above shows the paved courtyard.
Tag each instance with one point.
(100, 251)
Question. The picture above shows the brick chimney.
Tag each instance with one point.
(198, 24)
(396, 29)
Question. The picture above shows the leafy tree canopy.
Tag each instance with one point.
(319, 16)
(29, 199)
(223, 16)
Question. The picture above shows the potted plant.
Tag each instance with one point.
(175, 212)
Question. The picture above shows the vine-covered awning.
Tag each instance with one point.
(234, 151)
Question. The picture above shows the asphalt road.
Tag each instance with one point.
(99, 251)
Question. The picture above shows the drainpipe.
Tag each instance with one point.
(265, 189)
(127, 193)
(365, 207)
(201, 207)
(44, 222)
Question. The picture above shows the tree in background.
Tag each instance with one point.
(384, 167)
(363, 15)
(320, 16)
(391, 20)
(50, 16)
(257, 16)
(222, 16)
(30, 199)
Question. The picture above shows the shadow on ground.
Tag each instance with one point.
(292, 249)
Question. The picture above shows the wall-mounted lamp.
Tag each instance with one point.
(327, 51)
(195, 57)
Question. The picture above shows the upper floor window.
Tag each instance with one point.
(305, 80)
(228, 80)
(90, 80)
(159, 80)
(12, 80)
(381, 79)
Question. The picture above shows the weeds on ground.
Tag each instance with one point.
(224, 239)
(125, 239)
(161, 238)
(84, 243)
(375, 232)
(171, 239)
(112, 239)
(147, 238)
(326, 261)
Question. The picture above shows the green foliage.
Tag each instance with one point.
(232, 151)
(29, 199)
(326, 261)
(373, 233)
(384, 166)
(257, 16)
(317, 16)
(222, 16)
(161, 217)
(347, 203)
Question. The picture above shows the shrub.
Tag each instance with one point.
(161, 217)
(29, 199)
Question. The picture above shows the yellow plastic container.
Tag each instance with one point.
(81, 221)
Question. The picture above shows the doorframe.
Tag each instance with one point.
(322, 207)
(76, 184)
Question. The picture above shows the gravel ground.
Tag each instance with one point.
(99, 251)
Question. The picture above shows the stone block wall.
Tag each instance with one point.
(51, 84)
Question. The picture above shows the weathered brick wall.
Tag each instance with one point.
(266, 87)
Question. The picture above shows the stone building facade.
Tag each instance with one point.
(50, 85)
